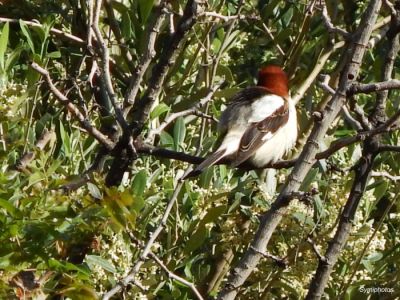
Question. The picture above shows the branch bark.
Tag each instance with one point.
(363, 171)
(93, 131)
(271, 219)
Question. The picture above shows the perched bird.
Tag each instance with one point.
(259, 125)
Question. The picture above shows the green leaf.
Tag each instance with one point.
(54, 54)
(101, 262)
(166, 140)
(380, 190)
(11, 209)
(145, 7)
(213, 214)
(126, 26)
(159, 110)
(66, 140)
(312, 174)
(27, 33)
(5, 260)
(94, 191)
(35, 178)
(197, 239)
(139, 183)
(12, 58)
(3, 44)
(179, 133)
(66, 266)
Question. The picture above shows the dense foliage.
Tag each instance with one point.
(66, 231)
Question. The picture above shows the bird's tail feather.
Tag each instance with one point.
(208, 162)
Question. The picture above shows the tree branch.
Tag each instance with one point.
(93, 131)
(193, 110)
(105, 67)
(271, 219)
(54, 31)
(167, 59)
(27, 158)
(358, 88)
(363, 170)
(153, 29)
(329, 25)
(147, 248)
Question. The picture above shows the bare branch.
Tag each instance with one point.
(176, 277)
(269, 32)
(118, 35)
(363, 170)
(54, 31)
(324, 84)
(360, 114)
(167, 59)
(93, 131)
(328, 24)
(193, 110)
(27, 158)
(393, 148)
(315, 249)
(228, 18)
(153, 29)
(271, 218)
(385, 175)
(358, 88)
(105, 63)
(281, 262)
(147, 248)
(165, 268)
(299, 94)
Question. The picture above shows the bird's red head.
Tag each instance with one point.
(274, 79)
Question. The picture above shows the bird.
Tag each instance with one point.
(259, 125)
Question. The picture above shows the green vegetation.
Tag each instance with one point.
(73, 220)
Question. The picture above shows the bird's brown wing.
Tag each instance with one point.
(257, 132)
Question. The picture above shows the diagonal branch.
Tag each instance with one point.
(147, 248)
(153, 29)
(271, 219)
(359, 88)
(54, 31)
(193, 110)
(93, 131)
(105, 67)
(167, 59)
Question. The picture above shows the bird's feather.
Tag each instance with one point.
(259, 132)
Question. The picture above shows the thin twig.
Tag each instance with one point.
(358, 88)
(118, 35)
(329, 25)
(168, 57)
(153, 30)
(147, 248)
(93, 131)
(315, 249)
(193, 110)
(105, 63)
(27, 158)
(176, 277)
(52, 30)
(281, 262)
(393, 148)
(172, 275)
(228, 18)
(385, 174)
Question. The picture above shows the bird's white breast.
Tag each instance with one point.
(279, 143)
(264, 107)
(238, 117)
